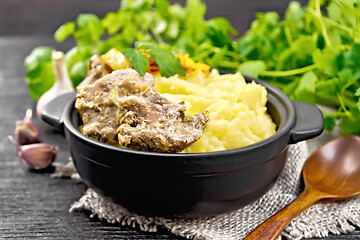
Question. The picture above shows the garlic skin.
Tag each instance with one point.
(37, 155)
(25, 131)
(62, 85)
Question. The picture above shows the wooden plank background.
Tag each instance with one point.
(44, 16)
(32, 205)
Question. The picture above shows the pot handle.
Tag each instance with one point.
(309, 122)
(52, 113)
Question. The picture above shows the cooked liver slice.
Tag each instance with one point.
(123, 107)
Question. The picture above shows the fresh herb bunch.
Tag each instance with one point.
(312, 53)
(168, 64)
(142, 24)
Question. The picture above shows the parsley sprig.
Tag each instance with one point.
(312, 54)
(168, 64)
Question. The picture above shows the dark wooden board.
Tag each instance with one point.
(44, 16)
(33, 205)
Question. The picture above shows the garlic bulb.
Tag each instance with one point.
(25, 131)
(62, 85)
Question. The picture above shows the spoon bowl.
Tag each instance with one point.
(334, 168)
(331, 173)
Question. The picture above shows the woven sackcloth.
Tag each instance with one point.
(318, 221)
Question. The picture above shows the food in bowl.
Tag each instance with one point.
(201, 112)
(237, 110)
(124, 108)
(170, 184)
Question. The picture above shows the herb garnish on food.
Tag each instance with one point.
(169, 65)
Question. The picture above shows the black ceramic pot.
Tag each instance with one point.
(192, 184)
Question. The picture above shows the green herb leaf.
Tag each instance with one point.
(64, 31)
(215, 60)
(329, 121)
(357, 93)
(137, 5)
(345, 80)
(145, 45)
(112, 22)
(78, 71)
(263, 39)
(39, 72)
(77, 59)
(327, 86)
(38, 55)
(350, 123)
(328, 60)
(294, 11)
(351, 60)
(137, 60)
(252, 68)
(168, 64)
(162, 6)
(298, 54)
(217, 31)
(305, 91)
(173, 29)
(89, 29)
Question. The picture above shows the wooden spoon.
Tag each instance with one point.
(331, 173)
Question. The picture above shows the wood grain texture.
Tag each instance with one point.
(32, 205)
(44, 16)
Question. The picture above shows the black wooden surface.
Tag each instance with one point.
(45, 16)
(33, 205)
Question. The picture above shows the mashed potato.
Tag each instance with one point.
(236, 109)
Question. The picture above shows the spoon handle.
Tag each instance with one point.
(273, 226)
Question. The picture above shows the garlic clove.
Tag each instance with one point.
(62, 85)
(37, 155)
(25, 131)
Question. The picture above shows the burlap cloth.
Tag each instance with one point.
(318, 221)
